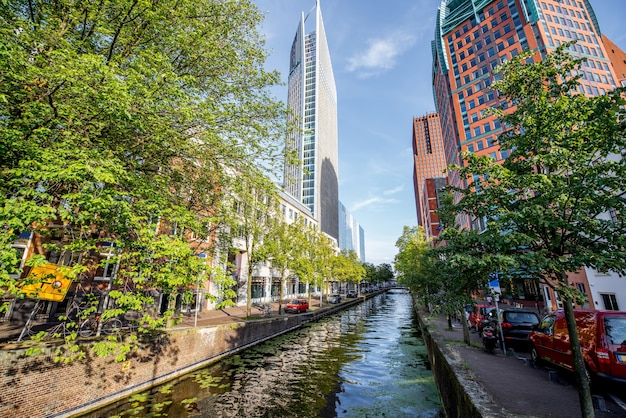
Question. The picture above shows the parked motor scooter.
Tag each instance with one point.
(489, 336)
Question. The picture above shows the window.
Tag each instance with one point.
(20, 245)
(610, 302)
(106, 266)
(510, 40)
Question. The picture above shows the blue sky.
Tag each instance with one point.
(381, 58)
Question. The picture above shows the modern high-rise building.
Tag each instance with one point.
(471, 38)
(312, 101)
(618, 59)
(351, 234)
(429, 163)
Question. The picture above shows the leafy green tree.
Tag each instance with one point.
(347, 268)
(324, 256)
(308, 239)
(384, 273)
(121, 118)
(281, 251)
(556, 205)
(245, 220)
(412, 262)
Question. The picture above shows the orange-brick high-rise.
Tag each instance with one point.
(472, 37)
(429, 162)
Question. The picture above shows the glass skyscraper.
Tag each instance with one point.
(312, 102)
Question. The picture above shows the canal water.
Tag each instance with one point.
(366, 361)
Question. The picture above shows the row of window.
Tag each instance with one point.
(481, 17)
(591, 39)
(564, 10)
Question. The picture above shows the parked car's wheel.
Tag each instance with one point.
(534, 355)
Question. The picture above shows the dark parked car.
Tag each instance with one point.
(297, 306)
(351, 294)
(334, 298)
(602, 336)
(517, 324)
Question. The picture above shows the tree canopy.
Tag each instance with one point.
(556, 204)
(123, 121)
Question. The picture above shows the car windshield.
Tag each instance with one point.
(616, 329)
(521, 317)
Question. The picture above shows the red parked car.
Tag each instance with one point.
(602, 337)
(297, 306)
(477, 314)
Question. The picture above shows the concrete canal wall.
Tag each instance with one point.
(36, 386)
(460, 395)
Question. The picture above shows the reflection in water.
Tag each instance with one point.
(367, 361)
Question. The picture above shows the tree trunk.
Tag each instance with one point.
(466, 334)
(280, 292)
(582, 378)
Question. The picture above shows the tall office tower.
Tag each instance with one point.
(472, 37)
(618, 59)
(312, 101)
(351, 234)
(429, 163)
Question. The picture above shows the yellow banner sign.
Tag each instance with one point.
(46, 282)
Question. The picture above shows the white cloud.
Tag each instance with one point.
(381, 54)
(393, 191)
(371, 201)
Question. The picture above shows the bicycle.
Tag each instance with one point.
(89, 326)
(265, 308)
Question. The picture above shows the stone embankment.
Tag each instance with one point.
(36, 386)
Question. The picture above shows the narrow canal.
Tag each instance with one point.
(366, 361)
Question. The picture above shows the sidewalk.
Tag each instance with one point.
(10, 331)
(511, 382)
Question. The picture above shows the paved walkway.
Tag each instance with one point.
(513, 383)
(10, 331)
